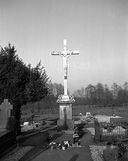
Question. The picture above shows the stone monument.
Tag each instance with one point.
(5, 114)
(65, 101)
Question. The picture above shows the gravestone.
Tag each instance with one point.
(5, 114)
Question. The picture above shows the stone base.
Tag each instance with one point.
(65, 125)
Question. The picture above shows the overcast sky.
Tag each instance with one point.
(97, 28)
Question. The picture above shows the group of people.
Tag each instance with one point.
(117, 153)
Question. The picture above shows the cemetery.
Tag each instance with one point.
(63, 80)
(101, 129)
(69, 134)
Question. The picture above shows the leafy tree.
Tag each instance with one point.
(125, 86)
(115, 90)
(79, 92)
(37, 88)
(107, 96)
(91, 94)
(20, 83)
(56, 89)
(100, 93)
(123, 94)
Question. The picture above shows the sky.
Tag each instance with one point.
(97, 28)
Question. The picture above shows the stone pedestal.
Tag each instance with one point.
(65, 112)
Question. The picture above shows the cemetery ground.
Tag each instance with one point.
(33, 143)
(36, 148)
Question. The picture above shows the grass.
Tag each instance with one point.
(48, 114)
(122, 111)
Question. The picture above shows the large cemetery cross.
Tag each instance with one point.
(65, 101)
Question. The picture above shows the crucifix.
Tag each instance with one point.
(65, 101)
(65, 54)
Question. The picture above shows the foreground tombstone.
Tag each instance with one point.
(65, 101)
(5, 114)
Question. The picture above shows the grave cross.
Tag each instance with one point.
(65, 54)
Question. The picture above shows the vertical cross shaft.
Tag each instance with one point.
(65, 66)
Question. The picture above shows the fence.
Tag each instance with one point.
(114, 130)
